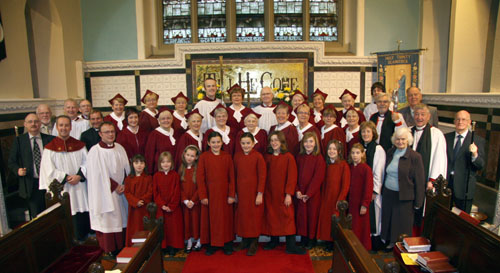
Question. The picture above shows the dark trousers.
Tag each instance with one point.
(81, 223)
(36, 202)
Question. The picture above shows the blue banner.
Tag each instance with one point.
(398, 70)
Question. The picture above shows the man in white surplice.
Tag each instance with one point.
(107, 167)
(207, 104)
(266, 109)
(64, 159)
(78, 125)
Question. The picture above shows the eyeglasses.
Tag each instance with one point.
(302, 113)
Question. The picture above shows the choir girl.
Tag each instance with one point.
(334, 189)
(360, 194)
(132, 138)
(250, 172)
(160, 139)
(117, 117)
(375, 158)
(228, 134)
(139, 192)
(189, 197)
(216, 190)
(252, 126)
(311, 173)
(147, 119)
(167, 196)
(280, 187)
(282, 112)
(179, 123)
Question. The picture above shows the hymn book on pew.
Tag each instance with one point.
(140, 236)
(126, 255)
(416, 244)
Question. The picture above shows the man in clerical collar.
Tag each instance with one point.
(207, 104)
(430, 143)
(265, 109)
(107, 167)
(45, 115)
(78, 125)
(91, 136)
(386, 121)
(64, 159)
(85, 109)
(24, 160)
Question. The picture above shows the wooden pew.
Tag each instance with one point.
(349, 255)
(43, 243)
(149, 258)
(470, 248)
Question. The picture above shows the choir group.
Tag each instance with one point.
(217, 171)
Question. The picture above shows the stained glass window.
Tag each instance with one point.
(250, 20)
(176, 21)
(288, 20)
(324, 20)
(212, 21)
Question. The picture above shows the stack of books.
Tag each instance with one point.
(416, 244)
(434, 262)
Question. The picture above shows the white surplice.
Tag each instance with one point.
(268, 118)
(205, 107)
(108, 210)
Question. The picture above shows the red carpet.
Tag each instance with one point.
(275, 260)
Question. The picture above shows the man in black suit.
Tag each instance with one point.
(91, 136)
(414, 97)
(464, 160)
(24, 160)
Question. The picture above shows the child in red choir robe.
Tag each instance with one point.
(160, 139)
(189, 197)
(333, 190)
(360, 194)
(250, 171)
(311, 173)
(279, 217)
(330, 130)
(139, 192)
(216, 190)
(167, 195)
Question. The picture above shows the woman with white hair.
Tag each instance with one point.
(251, 120)
(403, 190)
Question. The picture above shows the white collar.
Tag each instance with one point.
(283, 126)
(151, 113)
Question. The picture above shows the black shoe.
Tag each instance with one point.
(252, 250)
(304, 241)
(210, 250)
(329, 247)
(388, 248)
(172, 251)
(188, 249)
(291, 247)
(197, 248)
(310, 244)
(245, 243)
(273, 243)
(228, 248)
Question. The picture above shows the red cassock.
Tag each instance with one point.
(360, 194)
(178, 129)
(189, 191)
(108, 118)
(156, 144)
(147, 122)
(133, 143)
(335, 188)
(215, 179)
(137, 188)
(336, 133)
(229, 148)
(279, 220)
(167, 192)
(231, 120)
(311, 174)
(260, 145)
(292, 138)
(250, 171)
(185, 140)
